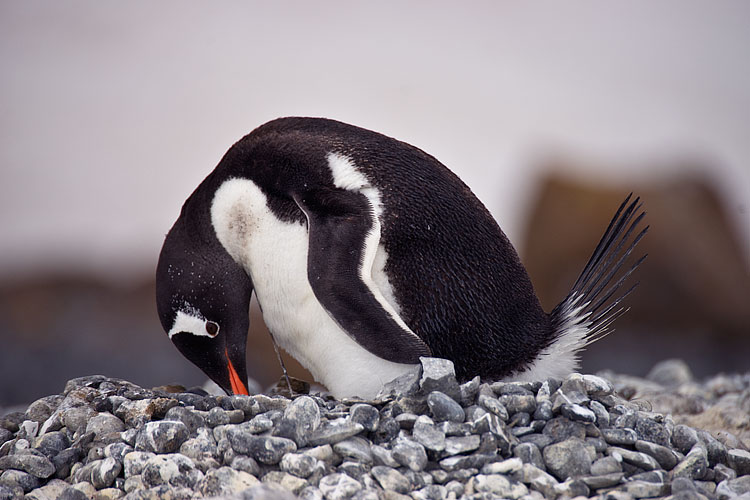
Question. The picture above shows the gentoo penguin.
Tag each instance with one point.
(366, 253)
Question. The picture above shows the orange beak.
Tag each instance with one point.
(238, 386)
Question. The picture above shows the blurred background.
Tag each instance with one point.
(112, 113)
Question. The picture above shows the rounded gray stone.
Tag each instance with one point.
(164, 436)
(103, 424)
(264, 449)
(365, 415)
(567, 459)
(428, 435)
(694, 465)
(410, 454)
(299, 464)
(37, 466)
(19, 479)
(739, 460)
(354, 448)
(391, 479)
(443, 407)
(338, 486)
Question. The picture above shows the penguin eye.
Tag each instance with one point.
(212, 329)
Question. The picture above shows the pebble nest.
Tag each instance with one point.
(424, 437)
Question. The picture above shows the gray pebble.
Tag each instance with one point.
(561, 428)
(640, 460)
(299, 464)
(494, 406)
(529, 453)
(684, 438)
(164, 436)
(577, 413)
(568, 458)
(694, 465)
(619, 436)
(338, 486)
(439, 375)
(410, 454)
(442, 407)
(428, 435)
(331, 432)
(391, 479)
(739, 460)
(665, 456)
(354, 448)
(13, 478)
(366, 415)
(461, 444)
(264, 449)
(36, 465)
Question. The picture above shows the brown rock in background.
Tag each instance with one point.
(693, 301)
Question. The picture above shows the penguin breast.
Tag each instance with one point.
(274, 253)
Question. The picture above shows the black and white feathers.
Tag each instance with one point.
(366, 253)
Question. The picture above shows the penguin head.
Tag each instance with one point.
(202, 298)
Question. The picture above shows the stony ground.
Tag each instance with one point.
(425, 437)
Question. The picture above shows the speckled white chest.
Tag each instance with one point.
(274, 253)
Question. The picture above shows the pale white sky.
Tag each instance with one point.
(112, 112)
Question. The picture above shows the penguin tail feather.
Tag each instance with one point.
(595, 300)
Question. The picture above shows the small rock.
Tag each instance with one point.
(537, 479)
(287, 481)
(649, 430)
(365, 415)
(410, 454)
(193, 420)
(461, 444)
(19, 479)
(665, 456)
(645, 489)
(641, 460)
(670, 373)
(561, 429)
(731, 488)
(264, 449)
(444, 408)
(509, 466)
(619, 436)
(494, 406)
(577, 413)
(299, 464)
(569, 458)
(164, 436)
(338, 486)
(739, 460)
(225, 481)
(104, 473)
(429, 436)
(103, 424)
(391, 479)
(301, 418)
(439, 375)
(405, 384)
(684, 438)
(603, 480)
(516, 403)
(37, 466)
(529, 453)
(606, 465)
(354, 448)
(334, 431)
(694, 465)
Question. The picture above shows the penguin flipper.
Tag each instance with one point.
(344, 232)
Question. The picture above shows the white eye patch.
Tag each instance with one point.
(192, 323)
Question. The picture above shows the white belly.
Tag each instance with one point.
(275, 255)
